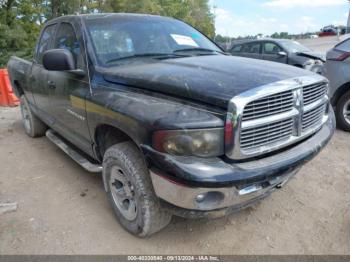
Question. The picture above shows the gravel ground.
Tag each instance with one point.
(322, 44)
(63, 210)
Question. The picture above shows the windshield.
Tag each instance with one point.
(294, 47)
(117, 38)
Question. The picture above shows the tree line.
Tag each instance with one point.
(22, 20)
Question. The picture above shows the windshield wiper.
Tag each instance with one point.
(156, 55)
(200, 49)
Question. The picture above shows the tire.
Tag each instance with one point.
(126, 176)
(343, 107)
(32, 125)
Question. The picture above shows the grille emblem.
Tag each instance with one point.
(299, 105)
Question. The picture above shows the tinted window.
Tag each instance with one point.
(44, 43)
(253, 48)
(66, 39)
(236, 49)
(271, 48)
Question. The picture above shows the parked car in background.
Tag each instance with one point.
(337, 70)
(280, 50)
(329, 30)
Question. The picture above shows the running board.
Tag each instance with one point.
(77, 157)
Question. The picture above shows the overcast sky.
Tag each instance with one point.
(251, 17)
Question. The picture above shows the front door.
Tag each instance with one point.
(68, 91)
(38, 75)
(272, 52)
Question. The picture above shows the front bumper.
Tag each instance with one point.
(179, 180)
(214, 198)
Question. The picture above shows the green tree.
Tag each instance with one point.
(22, 20)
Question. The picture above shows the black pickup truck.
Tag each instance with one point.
(176, 126)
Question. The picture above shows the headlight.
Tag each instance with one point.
(195, 142)
(309, 62)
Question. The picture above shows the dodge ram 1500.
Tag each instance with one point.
(175, 126)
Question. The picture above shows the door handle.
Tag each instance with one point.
(51, 84)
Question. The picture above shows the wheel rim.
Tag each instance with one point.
(123, 193)
(346, 112)
(25, 117)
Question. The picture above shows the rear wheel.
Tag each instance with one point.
(130, 191)
(33, 126)
(343, 112)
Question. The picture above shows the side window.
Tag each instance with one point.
(236, 49)
(253, 48)
(245, 48)
(66, 39)
(344, 46)
(44, 43)
(271, 48)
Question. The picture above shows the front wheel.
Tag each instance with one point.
(130, 191)
(343, 112)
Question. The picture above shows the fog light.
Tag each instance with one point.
(200, 198)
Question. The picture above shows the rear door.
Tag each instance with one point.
(271, 52)
(38, 74)
(68, 91)
(251, 50)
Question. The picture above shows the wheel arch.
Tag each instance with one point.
(107, 135)
(339, 93)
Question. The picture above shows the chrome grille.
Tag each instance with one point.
(266, 134)
(271, 105)
(276, 115)
(313, 118)
(313, 93)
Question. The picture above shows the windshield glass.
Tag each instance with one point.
(122, 37)
(294, 47)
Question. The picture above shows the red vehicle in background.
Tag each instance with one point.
(332, 30)
(328, 31)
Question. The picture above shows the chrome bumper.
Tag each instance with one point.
(207, 199)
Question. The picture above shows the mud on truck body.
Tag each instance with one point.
(176, 126)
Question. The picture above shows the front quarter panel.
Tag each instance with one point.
(338, 75)
(138, 114)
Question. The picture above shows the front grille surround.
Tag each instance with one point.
(295, 109)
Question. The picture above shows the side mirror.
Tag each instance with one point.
(282, 54)
(58, 60)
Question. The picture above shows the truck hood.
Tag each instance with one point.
(213, 79)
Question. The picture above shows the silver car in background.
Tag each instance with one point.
(337, 70)
(279, 50)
